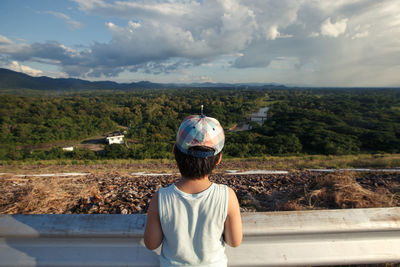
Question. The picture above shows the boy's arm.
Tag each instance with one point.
(233, 224)
(153, 234)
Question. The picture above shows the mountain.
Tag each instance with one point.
(16, 80)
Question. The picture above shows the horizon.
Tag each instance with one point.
(304, 43)
(226, 85)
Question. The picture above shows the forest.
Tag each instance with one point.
(300, 121)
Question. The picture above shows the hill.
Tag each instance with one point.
(16, 80)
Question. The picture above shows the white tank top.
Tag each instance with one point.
(192, 225)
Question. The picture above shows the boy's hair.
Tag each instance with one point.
(195, 167)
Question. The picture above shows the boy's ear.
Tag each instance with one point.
(173, 149)
(220, 158)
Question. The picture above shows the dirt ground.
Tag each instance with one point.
(113, 192)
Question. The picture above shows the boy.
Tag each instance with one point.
(194, 217)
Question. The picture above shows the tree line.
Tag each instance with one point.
(300, 121)
(331, 122)
(150, 117)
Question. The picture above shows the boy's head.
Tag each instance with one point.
(198, 146)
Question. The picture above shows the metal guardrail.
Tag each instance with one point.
(297, 238)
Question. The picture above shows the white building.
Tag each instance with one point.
(115, 139)
(68, 148)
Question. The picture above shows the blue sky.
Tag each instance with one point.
(301, 42)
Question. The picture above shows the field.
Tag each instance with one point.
(122, 186)
(168, 165)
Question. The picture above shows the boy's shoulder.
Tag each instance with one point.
(172, 189)
(224, 186)
(221, 185)
(165, 188)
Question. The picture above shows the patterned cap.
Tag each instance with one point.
(199, 130)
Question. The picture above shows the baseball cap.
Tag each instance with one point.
(200, 130)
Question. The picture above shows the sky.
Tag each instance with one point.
(291, 42)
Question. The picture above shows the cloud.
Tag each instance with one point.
(73, 23)
(14, 65)
(163, 37)
(273, 33)
(158, 33)
(367, 30)
(142, 9)
(333, 29)
(360, 35)
(51, 51)
(4, 40)
(186, 31)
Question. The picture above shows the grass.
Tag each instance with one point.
(38, 195)
(93, 166)
(321, 161)
(342, 191)
(165, 165)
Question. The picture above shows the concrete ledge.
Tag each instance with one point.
(326, 237)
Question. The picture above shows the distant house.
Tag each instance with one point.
(68, 148)
(115, 138)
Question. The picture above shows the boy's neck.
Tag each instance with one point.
(193, 186)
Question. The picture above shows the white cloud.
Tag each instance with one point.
(73, 23)
(189, 77)
(333, 29)
(205, 79)
(4, 40)
(273, 32)
(14, 65)
(8, 47)
(360, 35)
